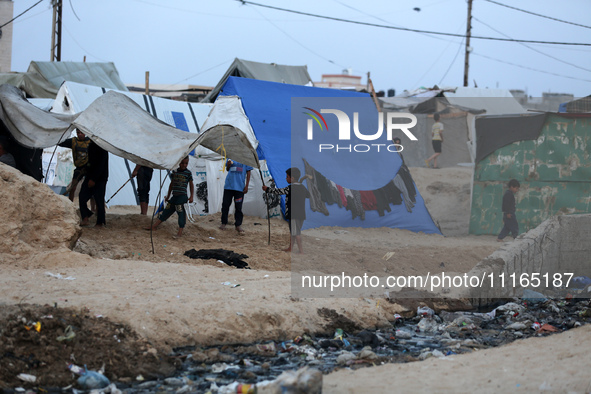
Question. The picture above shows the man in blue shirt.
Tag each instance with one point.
(235, 188)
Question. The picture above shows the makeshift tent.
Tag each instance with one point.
(43, 79)
(113, 121)
(73, 98)
(77, 101)
(268, 107)
(493, 101)
(580, 105)
(547, 153)
(228, 132)
(294, 75)
(458, 108)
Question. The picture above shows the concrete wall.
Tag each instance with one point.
(558, 246)
(6, 14)
(554, 171)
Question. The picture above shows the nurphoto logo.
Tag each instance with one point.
(344, 130)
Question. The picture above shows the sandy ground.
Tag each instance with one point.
(172, 300)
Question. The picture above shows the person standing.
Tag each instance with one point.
(235, 188)
(295, 205)
(5, 156)
(144, 177)
(436, 140)
(510, 225)
(95, 185)
(79, 146)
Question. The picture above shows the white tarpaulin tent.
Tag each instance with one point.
(117, 122)
(227, 129)
(114, 121)
(74, 98)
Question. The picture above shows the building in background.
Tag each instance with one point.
(6, 14)
(344, 81)
(549, 102)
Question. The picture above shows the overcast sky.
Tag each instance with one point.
(194, 41)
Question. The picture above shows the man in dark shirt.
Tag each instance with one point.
(5, 156)
(95, 185)
(510, 225)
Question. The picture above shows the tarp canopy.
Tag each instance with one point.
(34, 85)
(495, 131)
(43, 79)
(73, 98)
(493, 101)
(580, 105)
(114, 121)
(294, 75)
(227, 133)
(268, 107)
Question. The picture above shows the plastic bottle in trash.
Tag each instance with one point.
(246, 389)
(93, 380)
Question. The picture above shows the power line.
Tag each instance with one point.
(439, 57)
(452, 62)
(81, 47)
(530, 68)
(20, 14)
(407, 29)
(201, 72)
(384, 20)
(533, 49)
(542, 16)
(297, 42)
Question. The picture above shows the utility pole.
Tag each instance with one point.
(373, 92)
(468, 49)
(56, 31)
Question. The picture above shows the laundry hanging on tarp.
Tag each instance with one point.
(399, 190)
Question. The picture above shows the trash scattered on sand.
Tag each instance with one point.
(59, 276)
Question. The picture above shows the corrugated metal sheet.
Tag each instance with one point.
(554, 172)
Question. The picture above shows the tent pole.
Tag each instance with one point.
(154, 214)
(118, 190)
(268, 211)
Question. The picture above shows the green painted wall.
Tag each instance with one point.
(554, 172)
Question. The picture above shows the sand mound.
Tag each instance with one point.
(34, 219)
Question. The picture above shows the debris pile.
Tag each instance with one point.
(56, 347)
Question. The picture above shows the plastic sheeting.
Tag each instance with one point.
(29, 125)
(43, 79)
(113, 121)
(268, 107)
(295, 75)
(73, 98)
(227, 133)
(120, 126)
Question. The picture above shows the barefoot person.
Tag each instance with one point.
(436, 140)
(295, 208)
(178, 187)
(144, 177)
